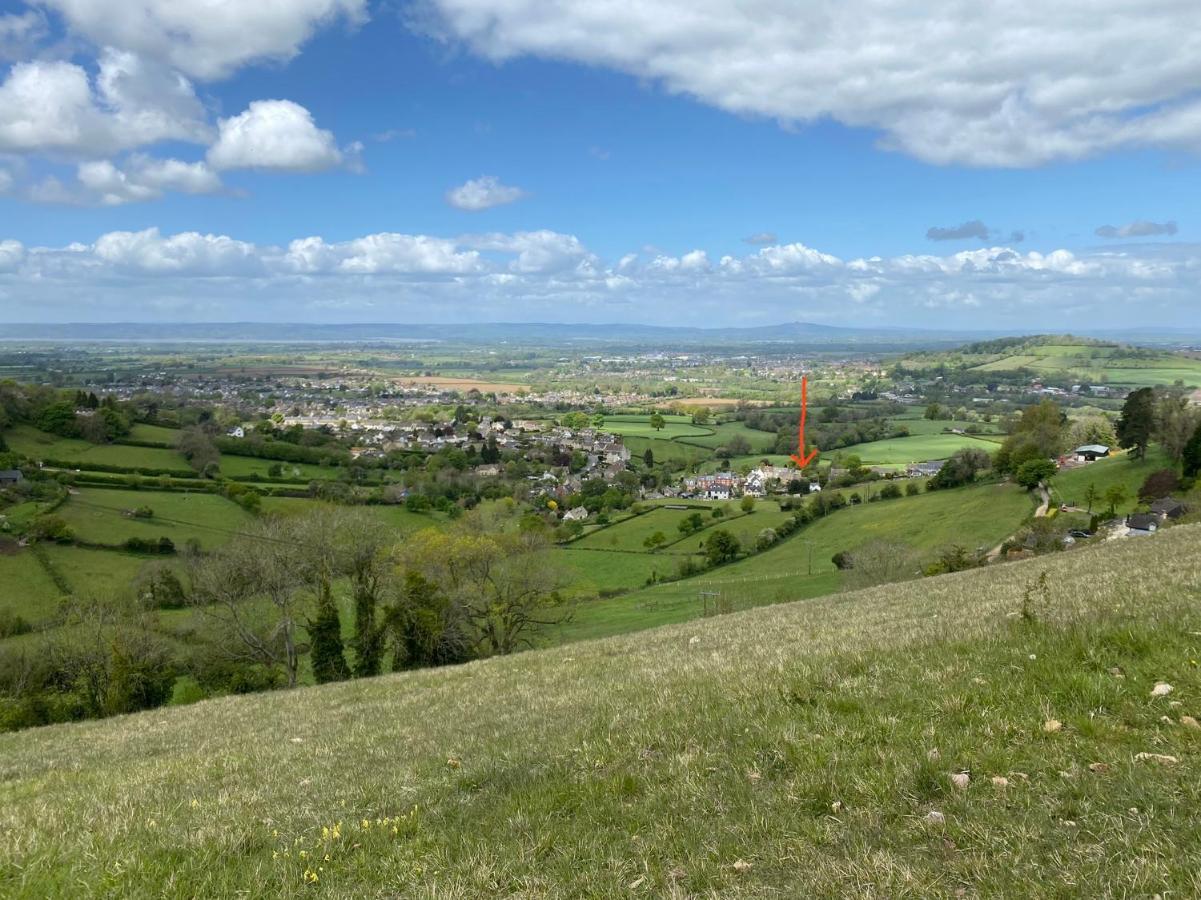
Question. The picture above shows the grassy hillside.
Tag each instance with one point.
(980, 516)
(800, 750)
(1082, 360)
(1070, 485)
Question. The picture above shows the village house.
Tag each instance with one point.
(721, 486)
(925, 469)
(11, 476)
(1168, 508)
(765, 477)
(579, 514)
(1142, 524)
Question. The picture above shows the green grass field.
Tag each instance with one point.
(601, 570)
(36, 444)
(1101, 365)
(639, 426)
(802, 750)
(916, 448)
(801, 566)
(96, 573)
(1069, 486)
(96, 516)
(156, 433)
(40, 445)
(630, 534)
(746, 528)
(760, 441)
(26, 589)
(688, 454)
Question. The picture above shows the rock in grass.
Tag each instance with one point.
(1190, 722)
(741, 866)
(961, 780)
(1000, 781)
(934, 817)
(1098, 768)
(1161, 689)
(1052, 725)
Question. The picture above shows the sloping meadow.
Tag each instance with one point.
(1028, 729)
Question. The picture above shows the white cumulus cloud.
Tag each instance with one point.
(986, 84)
(11, 254)
(206, 39)
(383, 253)
(273, 134)
(52, 106)
(143, 178)
(483, 193)
(550, 276)
(187, 253)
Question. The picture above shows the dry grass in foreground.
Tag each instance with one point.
(922, 739)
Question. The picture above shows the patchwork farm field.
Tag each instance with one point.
(979, 516)
(97, 516)
(96, 573)
(912, 449)
(1105, 364)
(663, 450)
(157, 433)
(629, 535)
(640, 426)
(40, 445)
(26, 589)
(610, 571)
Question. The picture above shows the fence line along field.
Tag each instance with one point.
(844, 722)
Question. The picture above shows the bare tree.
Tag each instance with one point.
(252, 588)
(880, 562)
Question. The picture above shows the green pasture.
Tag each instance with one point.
(157, 433)
(25, 587)
(608, 570)
(35, 444)
(676, 451)
(721, 435)
(640, 426)
(916, 448)
(629, 534)
(1069, 486)
(745, 527)
(96, 515)
(99, 573)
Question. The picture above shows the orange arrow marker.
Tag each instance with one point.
(798, 457)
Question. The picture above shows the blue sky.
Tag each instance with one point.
(633, 175)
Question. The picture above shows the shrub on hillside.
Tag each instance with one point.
(1159, 484)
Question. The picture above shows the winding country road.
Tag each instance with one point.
(1043, 508)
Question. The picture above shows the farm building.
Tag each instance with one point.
(925, 469)
(1169, 508)
(1143, 523)
(1090, 452)
(10, 476)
